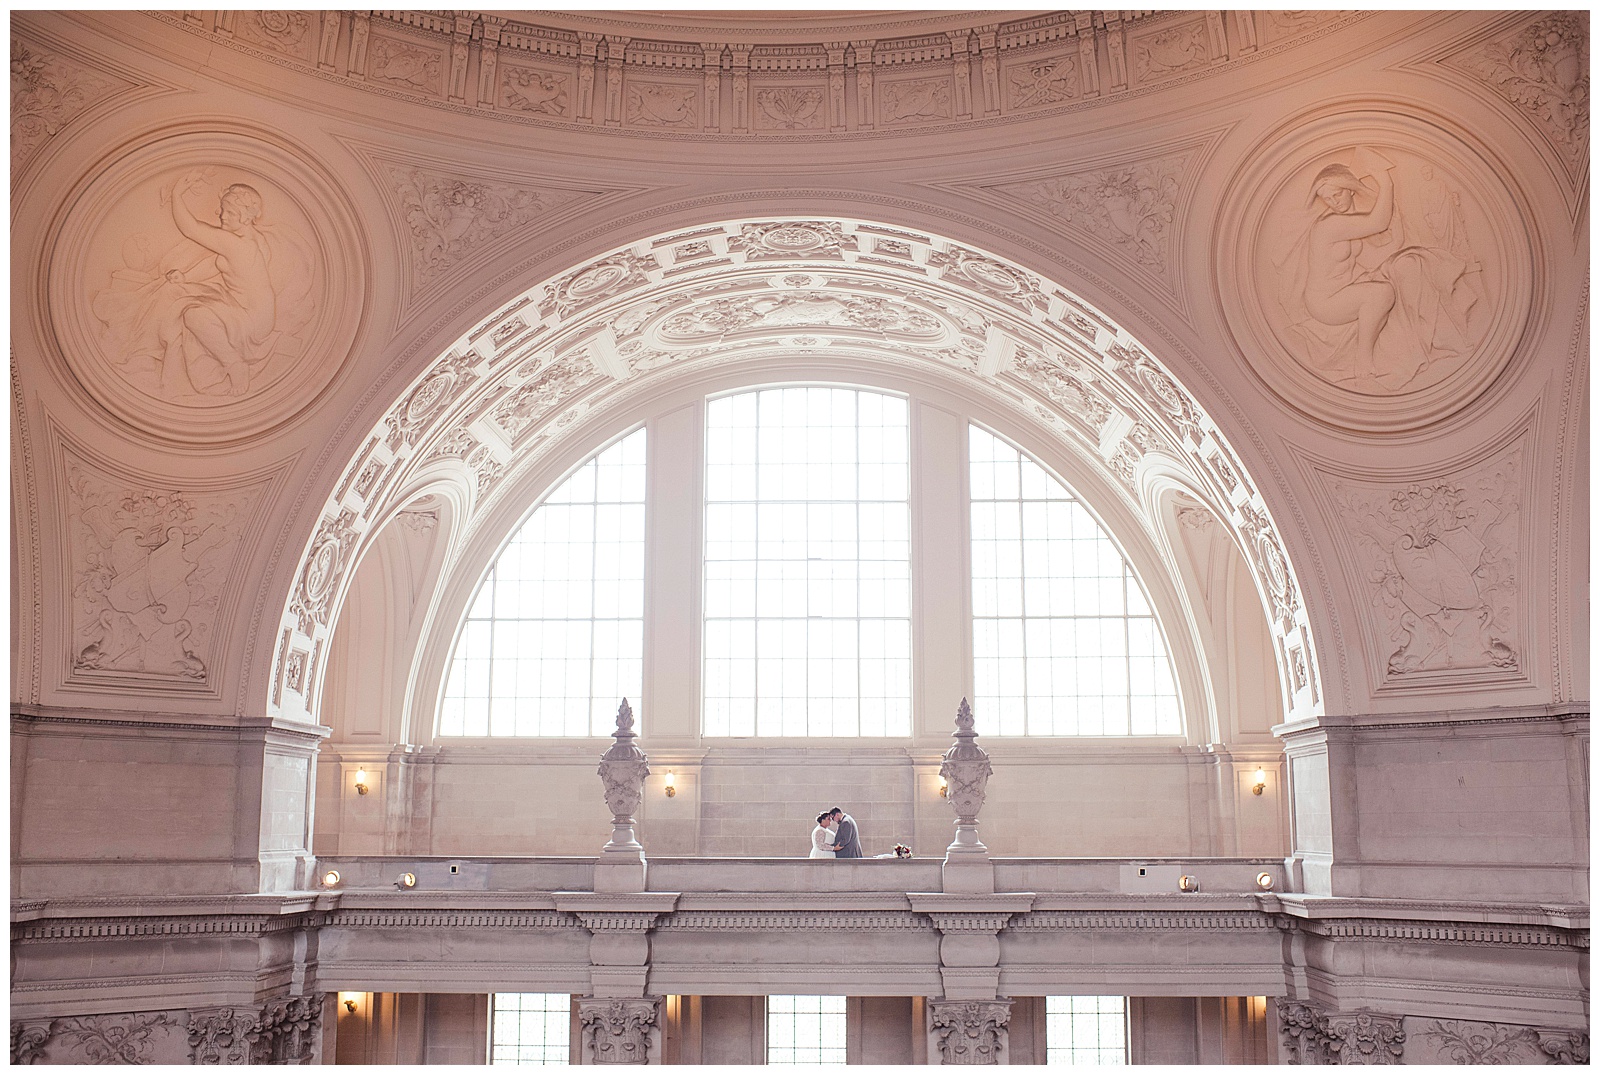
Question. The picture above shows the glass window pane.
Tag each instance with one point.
(1086, 1030)
(530, 1028)
(1064, 642)
(807, 565)
(806, 1030)
(555, 636)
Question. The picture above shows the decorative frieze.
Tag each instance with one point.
(547, 74)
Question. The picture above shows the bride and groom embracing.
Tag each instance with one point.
(835, 836)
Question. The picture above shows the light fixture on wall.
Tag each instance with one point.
(1186, 883)
(330, 879)
(944, 787)
(1264, 881)
(349, 1005)
(361, 781)
(672, 784)
(406, 880)
(1261, 781)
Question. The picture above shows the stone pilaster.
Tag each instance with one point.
(620, 1031)
(968, 1031)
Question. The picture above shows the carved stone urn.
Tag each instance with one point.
(966, 770)
(623, 768)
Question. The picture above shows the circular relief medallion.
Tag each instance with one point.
(206, 287)
(1377, 270)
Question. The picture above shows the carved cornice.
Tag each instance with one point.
(1496, 936)
(618, 921)
(443, 919)
(97, 929)
(797, 921)
(1063, 921)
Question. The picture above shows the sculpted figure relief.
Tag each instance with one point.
(1379, 291)
(1441, 560)
(201, 317)
(148, 582)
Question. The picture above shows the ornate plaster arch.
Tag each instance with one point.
(607, 330)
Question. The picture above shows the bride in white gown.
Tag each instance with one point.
(822, 846)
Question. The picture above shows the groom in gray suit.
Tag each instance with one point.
(845, 839)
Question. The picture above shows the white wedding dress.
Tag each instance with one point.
(820, 838)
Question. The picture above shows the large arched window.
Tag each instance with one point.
(807, 564)
(814, 500)
(555, 636)
(1063, 639)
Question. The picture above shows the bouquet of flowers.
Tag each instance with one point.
(901, 851)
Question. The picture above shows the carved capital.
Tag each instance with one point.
(620, 1031)
(1311, 1035)
(28, 1041)
(284, 1030)
(1303, 1032)
(970, 1031)
(1365, 1038)
(1565, 1046)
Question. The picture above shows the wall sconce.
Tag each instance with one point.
(1261, 781)
(1188, 884)
(406, 880)
(944, 787)
(672, 784)
(330, 879)
(350, 1006)
(1264, 881)
(361, 781)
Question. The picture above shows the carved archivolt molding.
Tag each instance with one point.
(205, 286)
(629, 74)
(1376, 270)
(840, 290)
